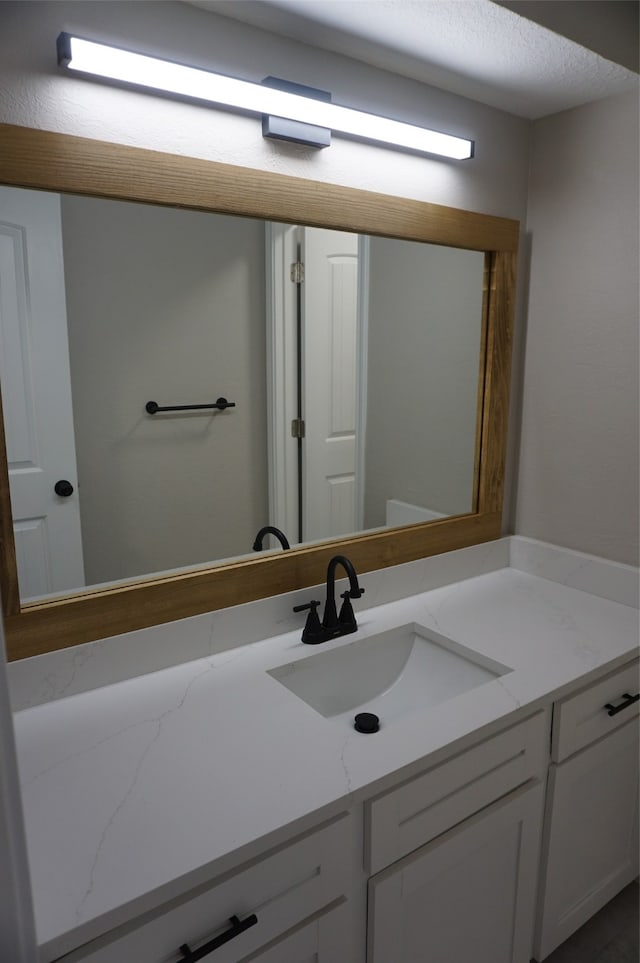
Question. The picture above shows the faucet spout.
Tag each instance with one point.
(270, 530)
(330, 618)
(332, 625)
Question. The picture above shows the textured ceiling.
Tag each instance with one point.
(474, 48)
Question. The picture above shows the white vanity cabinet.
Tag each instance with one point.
(468, 895)
(468, 892)
(591, 828)
(298, 895)
(496, 848)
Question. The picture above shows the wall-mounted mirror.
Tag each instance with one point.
(393, 352)
(134, 303)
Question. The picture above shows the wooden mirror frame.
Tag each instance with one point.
(68, 164)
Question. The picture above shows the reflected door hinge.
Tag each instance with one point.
(297, 272)
(297, 428)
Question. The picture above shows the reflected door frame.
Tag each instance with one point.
(283, 243)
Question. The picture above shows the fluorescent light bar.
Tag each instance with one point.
(102, 60)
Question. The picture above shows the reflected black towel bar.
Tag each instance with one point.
(152, 406)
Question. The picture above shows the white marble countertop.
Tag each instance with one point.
(139, 790)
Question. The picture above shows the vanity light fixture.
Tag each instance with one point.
(112, 63)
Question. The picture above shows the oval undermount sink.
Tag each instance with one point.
(392, 673)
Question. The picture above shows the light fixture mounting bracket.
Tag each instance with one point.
(279, 128)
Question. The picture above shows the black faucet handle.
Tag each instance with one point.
(312, 606)
(312, 632)
(347, 618)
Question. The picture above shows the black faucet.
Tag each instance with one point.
(270, 530)
(333, 624)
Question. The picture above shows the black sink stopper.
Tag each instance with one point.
(366, 722)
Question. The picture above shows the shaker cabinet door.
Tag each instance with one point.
(467, 895)
(592, 846)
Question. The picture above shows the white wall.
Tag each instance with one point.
(169, 306)
(34, 92)
(578, 475)
(425, 324)
(577, 438)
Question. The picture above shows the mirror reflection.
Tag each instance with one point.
(355, 390)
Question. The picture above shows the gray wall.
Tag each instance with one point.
(425, 320)
(165, 305)
(35, 93)
(579, 454)
(609, 27)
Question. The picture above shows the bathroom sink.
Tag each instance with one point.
(390, 674)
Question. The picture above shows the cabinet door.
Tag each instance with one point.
(592, 846)
(468, 895)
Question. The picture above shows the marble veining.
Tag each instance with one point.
(158, 723)
(503, 682)
(138, 790)
(343, 753)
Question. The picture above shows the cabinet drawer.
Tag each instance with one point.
(583, 717)
(325, 939)
(405, 818)
(282, 890)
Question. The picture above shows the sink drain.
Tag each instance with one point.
(366, 722)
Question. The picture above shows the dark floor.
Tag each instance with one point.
(611, 936)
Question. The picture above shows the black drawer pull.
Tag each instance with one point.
(628, 701)
(237, 927)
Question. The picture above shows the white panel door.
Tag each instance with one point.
(36, 393)
(330, 321)
(467, 897)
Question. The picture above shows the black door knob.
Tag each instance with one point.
(63, 488)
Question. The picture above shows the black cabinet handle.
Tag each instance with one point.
(628, 700)
(237, 927)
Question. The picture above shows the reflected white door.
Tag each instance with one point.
(332, 303)
(36, 393)
(329, 341)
